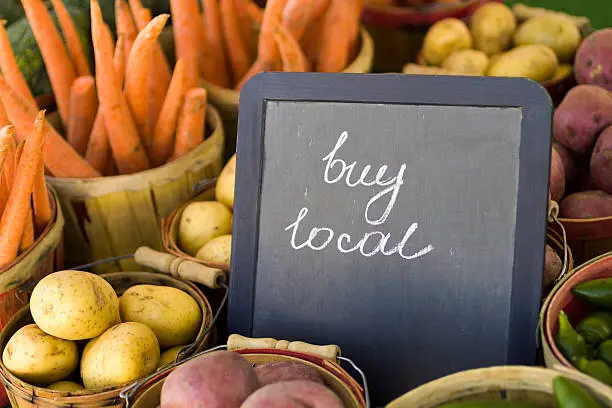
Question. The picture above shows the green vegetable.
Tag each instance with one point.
(604, 352)
(11, 11)
(569, 394)
(597, 292)
(596, 369)
(492, 404)
(572, 345)
(596, 327)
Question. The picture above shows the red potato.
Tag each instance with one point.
(593, 63)
(283, 371)
(220, 379)
(552, 267)
(569, 162)
(294, 394)
(584, 112)
(586, 205)
(557, 176)
(601, 161)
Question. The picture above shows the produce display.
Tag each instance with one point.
(272, 385)
(85, 336)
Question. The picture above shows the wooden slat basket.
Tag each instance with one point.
(113, 216)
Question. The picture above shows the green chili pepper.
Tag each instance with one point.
(597, 292)
(604, 352)
(572, 345)
(569, 394)
(492, 404)
(596, 327)
(596, 369)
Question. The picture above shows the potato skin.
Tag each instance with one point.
(586, 205)
(169, 356)
(601, 161)
(584, 112)
(224, 190)
(471, 62)
(74, 305)
(283, 371)
(554, 30)
(294, 394)
(557, 176)
(553, 267)
(38, 358)
(172, 314)
(217, 250)
(570, 168)
(536, 62)
(202, 221)
(66, 386)
(492, 26)
(444, 37)
(593, 63)
(122, 354)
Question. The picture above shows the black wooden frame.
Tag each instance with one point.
(532, 204)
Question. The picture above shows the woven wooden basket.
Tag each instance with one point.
(512, 383)
(23, 395)
(113, 216)
(262, 351)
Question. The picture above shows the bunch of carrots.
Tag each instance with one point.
(25, 206)
(227, 42)
(133, 114)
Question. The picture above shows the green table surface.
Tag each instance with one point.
(598, 11)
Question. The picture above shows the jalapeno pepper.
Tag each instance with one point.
(596, 327)
(569, 394)
(596, 369)
(572, 345)
(604, 352)
(597, 292)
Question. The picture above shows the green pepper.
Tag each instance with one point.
(596, 327)
(492, 404)
(597, 292)
(604, 352)
(569, 394)
(596, 369)
(572, 345)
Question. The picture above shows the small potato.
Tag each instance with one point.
(217, 250)
(601, 161)
(593, 63)
(570, 166)
(122, 354)
(202, 221)
(552, 267)
(172, 314)
(67, 386)
(586, 205)
(415, 69)
(557, 176)
(444, 37)
(492, 27)
(471, 62)
(169, 356)
(536, 62)
(283, 371)
(554, 30)
(563, 72)
(224, 191)
(294, 394)
(38, 358)
(74, 305)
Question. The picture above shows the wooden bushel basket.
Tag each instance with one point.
(324, 359)
(588, 238)
(23, 395)
(511, 383)
(113, 216)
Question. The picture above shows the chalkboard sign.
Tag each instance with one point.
(400, 217)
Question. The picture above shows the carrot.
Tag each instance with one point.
(311, 41)
(11, 71)
(218, 72)
(137, 74)
(339, 31)
(4, 119)
(9, 162)
(187, 37)
(73, 41)
(40, 199)
(254, 12)
(129, 154)
(83, 107)
(298, 15)
(236, 48)
(27, 237)
(14, 217)
(58, 64)
(190, 129)
(246, 27)
(6, 142)
(292, 56)
(98, 149)
(163, 137)
(125, 26)
(273, 13)
(60, 158)
(260, 65)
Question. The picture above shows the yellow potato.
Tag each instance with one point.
(122, 354)
(169, 356)
(38, 358)
(172, 314)
(217, 250)
(444, 37)
(554, 30)
(415, 69)
(68, 386)
(492, 27)
(224, 191)
(537, 62)
(202, 221)
(467, 62)
(74, 305)
(563, 71)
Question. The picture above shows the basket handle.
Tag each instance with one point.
(238, 342)
(179, 267)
